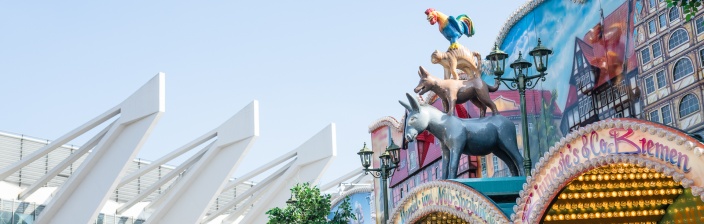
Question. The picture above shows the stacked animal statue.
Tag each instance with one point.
(452, 92)
(459, 58)
(474, 136)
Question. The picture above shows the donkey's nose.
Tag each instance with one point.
(409, 138)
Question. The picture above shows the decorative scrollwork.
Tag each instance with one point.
(374, 173)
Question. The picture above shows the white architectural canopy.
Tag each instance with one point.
(102, 179)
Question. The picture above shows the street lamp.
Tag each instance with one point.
(521, 81)
(293, 199)
(389, 161)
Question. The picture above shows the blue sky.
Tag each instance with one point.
(309, 63)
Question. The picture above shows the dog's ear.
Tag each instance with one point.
(422, 72)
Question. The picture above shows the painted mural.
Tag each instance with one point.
(634, 58)
(361, 204)
(595, 42)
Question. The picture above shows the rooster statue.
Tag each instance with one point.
(450, 27)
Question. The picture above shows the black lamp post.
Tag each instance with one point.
(293, 199)
(389, 161)
(521, 81)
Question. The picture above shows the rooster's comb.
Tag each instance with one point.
(429, 10)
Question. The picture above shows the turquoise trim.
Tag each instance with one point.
(502, 191)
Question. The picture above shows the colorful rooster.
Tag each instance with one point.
(450, 27)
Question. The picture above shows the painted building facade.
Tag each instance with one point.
(670, 61)
(603, 78)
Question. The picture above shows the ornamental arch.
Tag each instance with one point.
(663, 154)
(445, 201)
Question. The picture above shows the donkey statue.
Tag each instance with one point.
(473, 136)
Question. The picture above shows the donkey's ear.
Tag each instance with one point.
(404, 104)
(413, 101)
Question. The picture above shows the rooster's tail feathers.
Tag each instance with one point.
(467, 23)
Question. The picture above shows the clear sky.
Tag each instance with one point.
(308, 63)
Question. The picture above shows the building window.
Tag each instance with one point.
(495, 161)
(701, 57)
(483, 162)
(645, 55)
(661, 79)
(674, 14)
(666, 114)
(652, 4)
(649, 85)
(651, 26)
(437, 172)
(688, 105)
(700, 25)
(654, 116)
(683, 67)
(663, 20)
(657, 51)
(677, 38)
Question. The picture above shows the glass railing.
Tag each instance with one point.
(18, 212)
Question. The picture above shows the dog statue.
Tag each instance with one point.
(460, 58)
(473, 136)
(452, 91)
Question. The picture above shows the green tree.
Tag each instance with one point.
(311, 207)
(689, 7)
(545, 133)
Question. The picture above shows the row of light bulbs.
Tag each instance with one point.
(446, 217)
(566, 207)
(616, 170)
(626, 193)
(631, 176)
(621, 185)
(598, 215)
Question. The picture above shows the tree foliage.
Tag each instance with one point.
(311, 207)
(545, 133)
(689, 7)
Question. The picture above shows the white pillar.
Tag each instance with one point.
(312, 159)
(190, 197)
(82, 196)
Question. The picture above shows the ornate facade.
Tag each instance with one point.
(670, 52)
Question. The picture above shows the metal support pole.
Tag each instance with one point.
(526, 145)
(384, 192)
